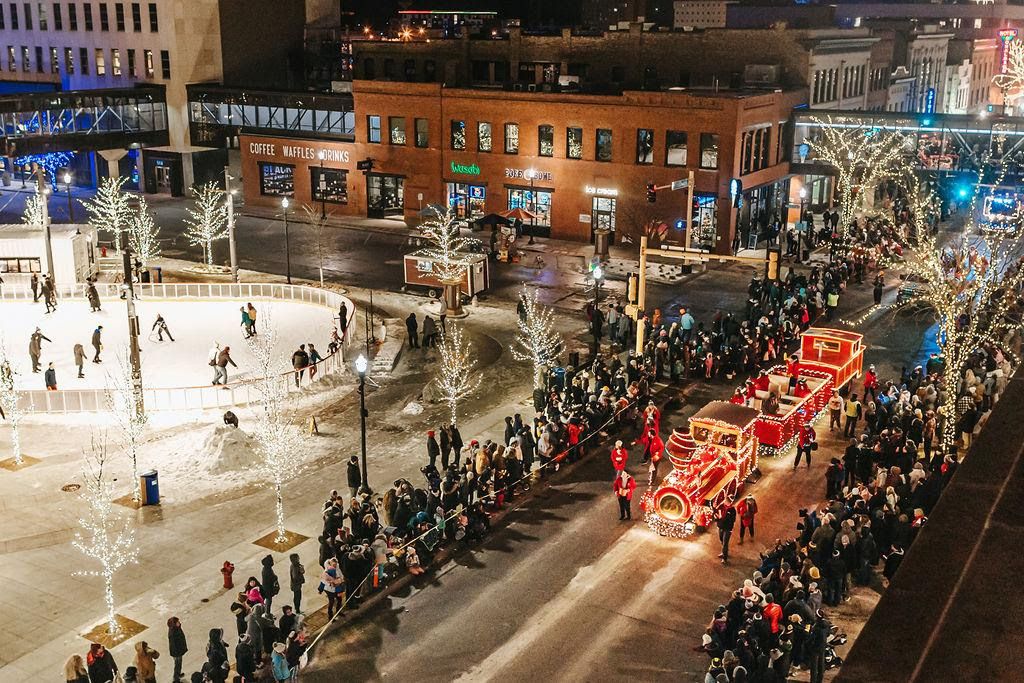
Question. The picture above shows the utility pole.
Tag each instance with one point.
(41, 190)
(689, 210)
(231, 223)
(133, 331)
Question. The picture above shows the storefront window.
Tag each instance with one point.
(19, 265)
(708, 150)
(675, 148)
(644, 146)
(458, 134)
(574, 143)
(329, 185)
(422, 132)
(604, 144)
(546, 140)
(602, 213)
(537, 202)
(385, 195)
(396, 130)
(277, 180)
(373, 128)
(511, 138)
(706, 218)
(467, 201)
(483, 136)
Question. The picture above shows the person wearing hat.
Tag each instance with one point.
(871, 383)
(279, 663)
(747, 510)
(619, 457)
(624, 486)
(433, 448)
(806, 442)
(725, 518)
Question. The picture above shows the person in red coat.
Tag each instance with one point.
(624, 485)
(738, 397)
(657, 449)
(619, 457)
(746, 509)
(870, 383)
(772, 613)
(805, 444)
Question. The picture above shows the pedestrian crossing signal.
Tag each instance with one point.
(652, 194)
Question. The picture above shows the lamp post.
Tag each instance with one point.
(67, 184)
(598, 275)
(230, 191)
(322, 186)
(802, 222)
(533, 205)
(287, 244)
(361, 366)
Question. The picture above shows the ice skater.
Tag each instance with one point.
(35, 347)
(93, 296)
(35, 287)
(246, 322)
(160, 326)
(97, 343)
(221, 367)
(50, 377)
(49, 295)
(80, 360)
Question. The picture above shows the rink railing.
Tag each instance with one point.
(232, 394)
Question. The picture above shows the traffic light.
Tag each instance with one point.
(652, 194)
(680, 224)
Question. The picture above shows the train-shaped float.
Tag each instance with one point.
(714, 456)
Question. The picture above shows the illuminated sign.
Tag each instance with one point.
(306, 152)
(527, 174)
(465, 169)
(1006, 36)
(606, 191)
(735, 190)
(929, 103)
(477, 192)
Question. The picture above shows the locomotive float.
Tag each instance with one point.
(712, 459)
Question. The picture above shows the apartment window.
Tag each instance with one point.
(545, 140)
(69, 60)
(329, 185)
(574, 143)
(58, 18)
(54, 61)
(644, 146)
(101, 62)
(14, 16)
(39, 59)
(115, 61)
(396, 130)
(132, 71)
(603, 147)
(389, 67)
(457, 137)
(708, 150)
(422, 132)
(3, 23)
(154, 24)
(12, 58)
(72, 16)
(165, 65)
(511, 138)
(26, 59)
(483, 136)
(104, 17)
(147, 62)
(137, 17)
(43, 21)
(87, 11)
(28, 16)
(675, 148)
(373, 128)
(83, 60)
(119, 16)
(369, 68)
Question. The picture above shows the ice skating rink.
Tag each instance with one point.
(195, 325)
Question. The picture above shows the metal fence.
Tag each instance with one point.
(188, 398)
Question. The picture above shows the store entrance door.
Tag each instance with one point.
(385, 195)
(163, 179)
(602, 217)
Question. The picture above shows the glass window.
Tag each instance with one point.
(603, 147)
(422, 132)
(83, 60)
(574, 143)
(602, 213)
(19, 265)
(277, 180)
(3, 21)
(385, 194)
(147, 58)
(69, 60)
(132, 68)
(58, 18)
(12, 58)
(54, 61)
(708, 150)
(537, 202)
(72, 16)
(41, 11)
(14, 16)
(39, 59)
(373, 128)
(466, 200)
(119, 16)
(26, 59)
(396, 130)
(101, 62)
(483, 136)
(458, 134)
(545, 140)
(511, 138)
(104, 17)
(137, 17)
(644, 146)
(329, 185)
(87, 12)
(28, 16)
(115, 61)
(675, 148)
(154, 24)
(165, 65)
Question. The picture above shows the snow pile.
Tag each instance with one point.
(413, 408)
(228, 449)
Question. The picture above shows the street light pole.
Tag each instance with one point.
(322, 186)
(287, 244)
(802, 222)
(41, 190)
(533, 204)
(231, 223)
(133, 330)
(361, 367)
(71, 209)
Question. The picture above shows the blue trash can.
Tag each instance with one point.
(150, 485)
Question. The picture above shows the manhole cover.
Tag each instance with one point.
(70, 488)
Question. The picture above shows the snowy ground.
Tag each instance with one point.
(196, 325)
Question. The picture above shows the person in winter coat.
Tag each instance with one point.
(300, 361)
(221, 366)
(80, 360)
(412, 327)
(35, 347)
(145, 662)
(332, 583)
(355, 477)
(251, 310)
(806, 442)
(254, 625)
(624, 486)
(93, 296)
(746, 509)
(445, 441)
(433, 448)
(217, 665)
(97, 343)
(619, 457)
(271, 586)
(429, 332)
(282, 671)
(160, 327)
(246, 323)
(726, 520)
(102, 667)
(50, 377)
(245, 659)
(176, 645)
(240, 608)
(75, 671)
(297, 577)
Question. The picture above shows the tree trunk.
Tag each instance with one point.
(15, 440)
(451, 299)
(133, 451)
(281, 534)
(321, 276)
(453, 406)
(108, 594)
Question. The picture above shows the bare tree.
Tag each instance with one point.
(537, 342)
(9, 407)
(125, 405)
(142, 234)
(457, 376)
(318, 221)
(109, 209)
(208, 221)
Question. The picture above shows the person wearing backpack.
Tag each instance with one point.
(271, 586)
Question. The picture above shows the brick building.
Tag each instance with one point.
(577, 161)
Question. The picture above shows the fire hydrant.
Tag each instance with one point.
(227, 570)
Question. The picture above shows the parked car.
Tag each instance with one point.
(911, 287)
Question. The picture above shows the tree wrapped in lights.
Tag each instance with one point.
(109, 209)
(537, 341)
(279, 441)
(208, 221)
(51, 162)
(33, 215)
(125, 404)
(1012, 79)
(9, 402)
(922, 201)
(103, 537)
(318, 221)
(446, 248)
(862, 156)
(142, 234)
(457, 376)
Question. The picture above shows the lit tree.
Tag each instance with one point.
(142, 234)
(208, 221)
(9, 401)
(862, 156)
(51, 162)
(318, 221)
(33, 215)
(109, 209)
(123, 401)
(279, 441)
(923, 202)
(447, 247)
(103, 537)
(1013, 78)
(457, 376)
(537, 341)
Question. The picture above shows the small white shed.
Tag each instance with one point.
(23, 252)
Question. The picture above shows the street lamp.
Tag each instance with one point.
(322, 186)
(598, 274)
(533, 204)
(802, 222)
(67, 184)
(361, 366)
(287, 244)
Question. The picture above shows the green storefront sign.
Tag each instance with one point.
(465, 169)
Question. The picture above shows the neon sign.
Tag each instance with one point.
(1006, 36)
